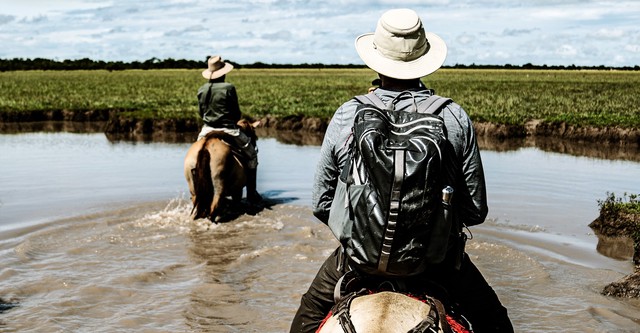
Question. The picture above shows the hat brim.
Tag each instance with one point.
(404, 70)
(209, 75)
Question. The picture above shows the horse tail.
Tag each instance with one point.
(202, 183)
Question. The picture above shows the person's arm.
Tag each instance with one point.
(470, 196)
(333, 155)
(201, 102)
(475, 210)
(233, 107)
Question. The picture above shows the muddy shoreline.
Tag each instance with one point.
(114, 124)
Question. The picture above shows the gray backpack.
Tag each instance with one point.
(388, 211)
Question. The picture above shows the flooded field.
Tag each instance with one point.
(95, 236)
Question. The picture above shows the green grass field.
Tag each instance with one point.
(597, 98)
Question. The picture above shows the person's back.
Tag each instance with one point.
(401, 52)
(460, 134)
(218, 104)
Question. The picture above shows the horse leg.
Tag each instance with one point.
(217, 175)
(215, 203)
(190, 162)
(189, 170)
(237, 196)
(189, 174)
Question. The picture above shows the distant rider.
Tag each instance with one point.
(219, 109)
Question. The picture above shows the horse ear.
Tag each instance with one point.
(255, 124)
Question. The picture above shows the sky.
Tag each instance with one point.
(485, 32)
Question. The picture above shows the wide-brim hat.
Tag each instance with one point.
(400, 47)
(216, 68)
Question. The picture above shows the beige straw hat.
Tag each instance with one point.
(400, 48)
(216, 68)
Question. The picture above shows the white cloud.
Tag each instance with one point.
(635, 49)
(34, 8)
(608, 33)
(302, 31)
(567, 50)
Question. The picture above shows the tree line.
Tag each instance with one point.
(17, 64)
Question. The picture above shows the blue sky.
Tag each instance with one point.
(552, 32)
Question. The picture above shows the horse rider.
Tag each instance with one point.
(218, 106)
(401, 52)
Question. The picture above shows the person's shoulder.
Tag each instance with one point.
(223, 88)
(204, 87)
(350, 104)
(457, 110)
(224, 85)
(453, 107)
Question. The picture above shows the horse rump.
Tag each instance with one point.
(203, 185)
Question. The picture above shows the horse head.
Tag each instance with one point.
(248, 128)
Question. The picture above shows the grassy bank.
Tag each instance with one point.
(512, 97)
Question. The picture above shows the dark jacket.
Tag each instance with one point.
(218, 105)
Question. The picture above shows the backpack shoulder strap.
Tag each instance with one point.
(371, 98)
(433, 104)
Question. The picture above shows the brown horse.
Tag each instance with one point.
(214, 170)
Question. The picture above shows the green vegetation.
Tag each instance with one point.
(621, 214)
(627, 204)
(597, 98)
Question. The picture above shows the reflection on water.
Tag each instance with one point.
(552, 145)
(608, 151)
(52, 126)
(620, 248)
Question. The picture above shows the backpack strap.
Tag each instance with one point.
(394, 209)
(433, 104)
(371, 98)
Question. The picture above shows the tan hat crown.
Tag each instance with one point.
(400, 47)
(215, 63)
(400, 37)
(216, 68)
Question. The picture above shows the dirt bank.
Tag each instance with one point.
(120, 125)
(609, 136)
(614, 223)
(539, 128)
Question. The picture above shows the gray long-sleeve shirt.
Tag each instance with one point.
(470, 199)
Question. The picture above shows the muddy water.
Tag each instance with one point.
(95, 237)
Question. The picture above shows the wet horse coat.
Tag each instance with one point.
(214, 171)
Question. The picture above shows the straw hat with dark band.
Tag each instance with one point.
(400, 48)
(216, 68)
